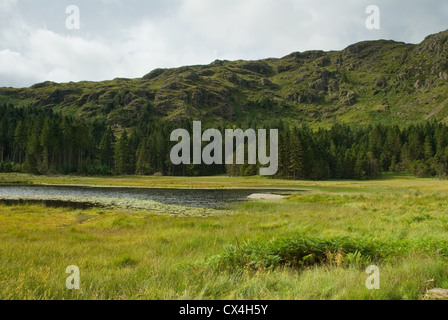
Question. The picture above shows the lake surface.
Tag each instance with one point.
(199, 198)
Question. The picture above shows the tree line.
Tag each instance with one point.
(41, 141)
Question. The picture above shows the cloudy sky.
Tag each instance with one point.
(129, 38)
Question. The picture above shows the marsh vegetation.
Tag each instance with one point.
(312, 245)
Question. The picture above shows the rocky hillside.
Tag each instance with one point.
(367, 82)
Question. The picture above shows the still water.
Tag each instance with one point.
(199, 198)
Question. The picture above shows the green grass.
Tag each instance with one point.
(400, 182)
(315, 245)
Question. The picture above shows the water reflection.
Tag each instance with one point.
(199, 198)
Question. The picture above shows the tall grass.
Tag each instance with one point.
(310, 246)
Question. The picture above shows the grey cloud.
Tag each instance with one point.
(129, 38)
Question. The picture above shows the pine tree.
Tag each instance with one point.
(144, 159)
(106, 149)
(361, 167)
(296, 157)
(47, 141)
(20, 141)
(348, 171)
(427, 149)
(122, 155)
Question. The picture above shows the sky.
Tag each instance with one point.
(130, 38)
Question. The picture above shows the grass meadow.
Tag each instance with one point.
(315, 245)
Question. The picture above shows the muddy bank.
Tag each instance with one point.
(264, 196)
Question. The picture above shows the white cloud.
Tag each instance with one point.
(49, 56)
(130, 38)
(7, 5)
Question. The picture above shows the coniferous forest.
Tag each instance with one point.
(40, 141)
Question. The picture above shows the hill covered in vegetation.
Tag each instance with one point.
(375, 106)
(373, 81)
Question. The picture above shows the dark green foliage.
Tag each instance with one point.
(299, 252)
(295, 252)
(123, 155)
(40, 141)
